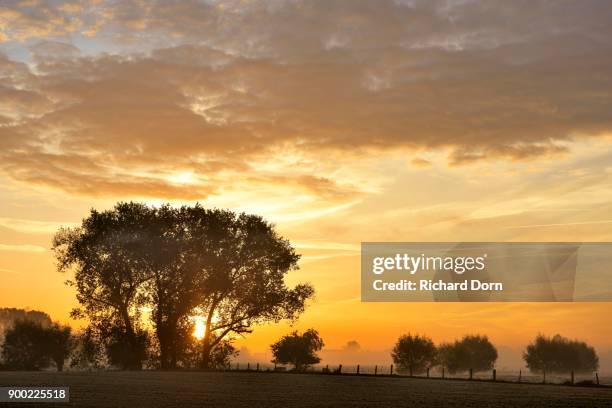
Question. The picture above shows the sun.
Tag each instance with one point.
(200, 328)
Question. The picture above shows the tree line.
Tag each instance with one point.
(416, 354)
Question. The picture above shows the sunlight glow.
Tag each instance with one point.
(184, 177)
(200, 327)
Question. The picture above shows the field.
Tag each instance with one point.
(252, 389)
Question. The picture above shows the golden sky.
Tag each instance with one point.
(340, 121)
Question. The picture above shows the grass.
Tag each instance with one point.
(261, 389)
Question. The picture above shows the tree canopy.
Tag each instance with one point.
(298, 349)
(558, 354)
(414, 353)
(473, 352)
(28, 345)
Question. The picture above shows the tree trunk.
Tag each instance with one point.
(134, 362)
(206, 352)
(163, 345)
(207, 341)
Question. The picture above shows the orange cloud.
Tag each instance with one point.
(360, 82)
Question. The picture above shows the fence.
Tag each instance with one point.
(519, 376)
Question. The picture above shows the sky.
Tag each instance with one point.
(339, 121)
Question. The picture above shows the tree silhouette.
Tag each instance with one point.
(298, 349)
(472, 352)
(28, 345)
(59, 343)
(558, 354)
(414, 353)
(24, 346)
(227, 267)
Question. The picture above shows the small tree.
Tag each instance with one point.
(222, 354)
(472, 352)
(298, 349)
(31, 346)
(24, 346)
(59, 343)
(414, 353)
(558, 354)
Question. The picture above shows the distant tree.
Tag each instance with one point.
(29, 345)
(25, 346)
(222, 354)
(414, 353)
(445, 356)
(298, 349)
(9, 315)
(558, 354)
(471, 352)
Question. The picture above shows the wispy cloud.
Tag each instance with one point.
(33, 226)
(561, 224)
(22, 248)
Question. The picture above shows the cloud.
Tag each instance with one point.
(22, 248)
(21, 20)
(226, 91)
(33, 227)
(9, 271)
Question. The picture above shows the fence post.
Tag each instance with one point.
(237, 366)
(391, 370)
(494, 375)
(376, 370)
(442, 372)
(427, 372)
(572, 377)
(357, 369)
(327, 368)
(248, 366)
(257, 366)
(520, 375)
(597, 378)
(340, 369)
(471, 373)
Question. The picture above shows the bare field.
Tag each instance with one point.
(245, 389)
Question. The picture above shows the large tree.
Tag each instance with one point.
(178, 262)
